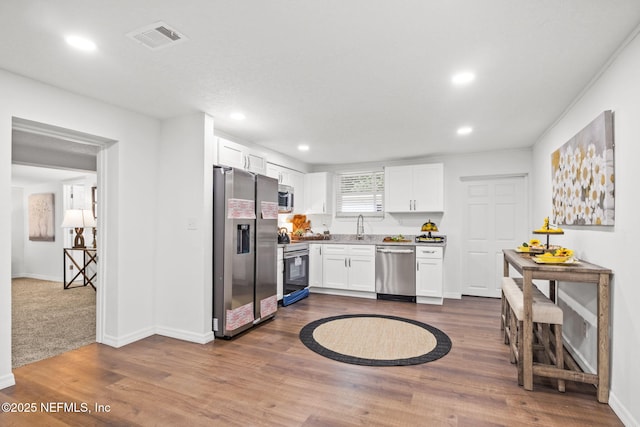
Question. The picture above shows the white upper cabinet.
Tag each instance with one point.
(238, 156)
(415, 188)
(284, 176)
(318, 191)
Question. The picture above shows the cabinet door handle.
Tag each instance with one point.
(409, 204)
(349, 262)
(345, 263)
(417, 266)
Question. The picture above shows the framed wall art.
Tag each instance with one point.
(41, 217)
(583, 176)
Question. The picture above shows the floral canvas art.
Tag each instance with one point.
(583, 181)
(41, 217)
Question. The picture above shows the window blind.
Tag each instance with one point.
(360, 193)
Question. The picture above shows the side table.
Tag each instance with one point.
(89, 258)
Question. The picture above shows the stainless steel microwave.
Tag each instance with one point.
(285, 199)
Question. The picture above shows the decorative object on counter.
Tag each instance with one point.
(547, 229)
(301, 230)
(429, 226)
(424, 238)
(375, 340)
(316, 236)
(399, 238)
(583, 176)
(300, 224)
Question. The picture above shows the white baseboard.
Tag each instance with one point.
(185, 335)
(118, 342)
(344, 293)
(622, 412)
(39, 277)
(7, 381)
(453, 295)
(429, 300)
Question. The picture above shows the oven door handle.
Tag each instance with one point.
(295, 255)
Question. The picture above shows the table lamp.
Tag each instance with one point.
(78, 219)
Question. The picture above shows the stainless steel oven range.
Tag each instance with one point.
(295, 284)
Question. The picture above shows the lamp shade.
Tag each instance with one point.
(78, 218)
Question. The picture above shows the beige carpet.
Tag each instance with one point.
(375, 338)
(48, 320)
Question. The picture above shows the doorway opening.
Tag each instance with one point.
(65, 166)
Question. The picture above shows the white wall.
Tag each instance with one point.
(184, 229)
(617, 89)
(17, 232)
(129, 189)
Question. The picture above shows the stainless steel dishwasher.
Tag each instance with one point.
(396, 272)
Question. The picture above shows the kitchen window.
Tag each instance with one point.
(360, 193)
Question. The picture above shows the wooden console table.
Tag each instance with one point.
(582, 272)
(89, 258)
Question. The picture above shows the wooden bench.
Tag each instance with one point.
(545, 313)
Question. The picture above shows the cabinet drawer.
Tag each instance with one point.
(335, 249)
(428, 252)
(362, 250)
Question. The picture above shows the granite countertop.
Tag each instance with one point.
(373, 239)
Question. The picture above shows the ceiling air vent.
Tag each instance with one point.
(157, 36)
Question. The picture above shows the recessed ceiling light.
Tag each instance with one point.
(465, 130)
(303, 147)
(80, 43)
(463, 78)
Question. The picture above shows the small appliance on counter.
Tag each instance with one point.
(283, 235)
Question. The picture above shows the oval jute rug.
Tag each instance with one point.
(375, 340)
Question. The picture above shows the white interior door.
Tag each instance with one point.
(495, 218)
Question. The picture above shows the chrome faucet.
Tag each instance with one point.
(360, 228)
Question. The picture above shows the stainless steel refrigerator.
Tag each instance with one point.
(245, 226)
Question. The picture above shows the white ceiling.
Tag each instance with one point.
(357, 80)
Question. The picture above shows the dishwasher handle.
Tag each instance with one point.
(394, 251)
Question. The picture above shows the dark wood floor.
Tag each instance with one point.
(267, 377)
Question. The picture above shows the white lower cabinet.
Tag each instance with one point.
(349, 267)
(315, 265)
(280, 273)
(429, 280)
